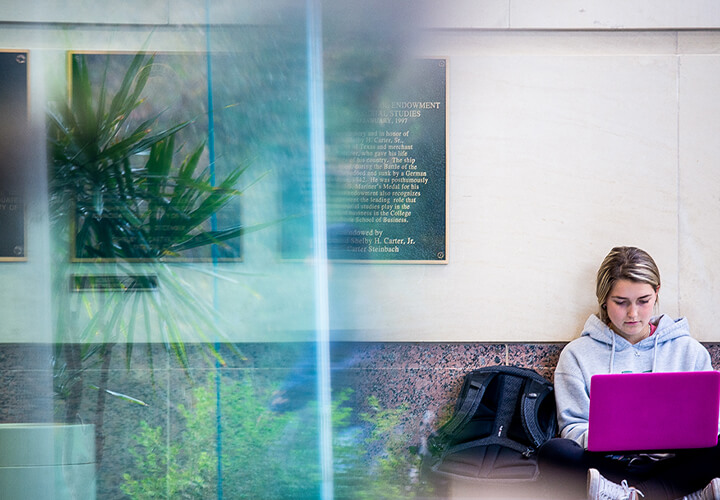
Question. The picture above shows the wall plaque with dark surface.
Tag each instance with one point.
(387, 170)
(13, 123)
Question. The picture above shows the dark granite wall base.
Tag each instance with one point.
(421, 378)
(26, 383)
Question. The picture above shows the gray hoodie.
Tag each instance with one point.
(600, 350)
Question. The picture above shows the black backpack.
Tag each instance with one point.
(502, 416)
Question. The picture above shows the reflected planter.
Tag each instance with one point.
(47, 461)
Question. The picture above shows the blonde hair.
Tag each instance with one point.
(624, 263)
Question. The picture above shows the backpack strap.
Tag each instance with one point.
(491, 440)
(471, 396)
(532, 398)
(510, 387)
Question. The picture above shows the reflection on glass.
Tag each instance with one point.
(181, 264)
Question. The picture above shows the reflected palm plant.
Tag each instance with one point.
(118, 190)
(124, 211)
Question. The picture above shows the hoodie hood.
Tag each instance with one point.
(668, 329)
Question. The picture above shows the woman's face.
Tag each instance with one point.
(630, 306)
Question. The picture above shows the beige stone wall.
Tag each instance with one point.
(572, 127)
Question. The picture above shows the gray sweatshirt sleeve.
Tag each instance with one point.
(572, 396)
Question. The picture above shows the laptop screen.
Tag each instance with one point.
(654, 411)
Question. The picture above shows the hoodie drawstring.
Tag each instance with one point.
(612, 353)
(655, 353)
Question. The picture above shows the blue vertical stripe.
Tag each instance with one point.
(317, 165)
(213, 227)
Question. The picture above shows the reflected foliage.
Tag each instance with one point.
(132, 200)
(271, 454)
(122, 191)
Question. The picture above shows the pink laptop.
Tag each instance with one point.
(654, 411)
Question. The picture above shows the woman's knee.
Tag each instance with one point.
(558, 450)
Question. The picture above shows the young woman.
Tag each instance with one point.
(625, 337)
